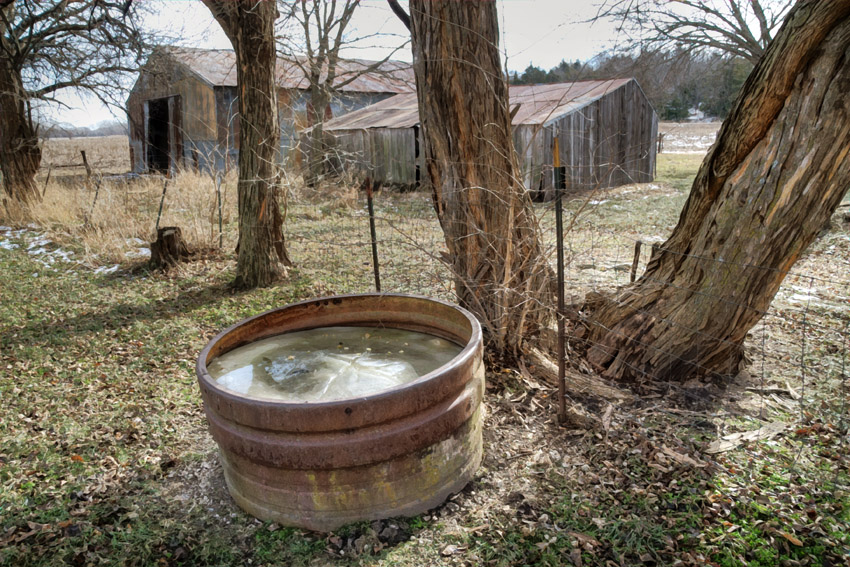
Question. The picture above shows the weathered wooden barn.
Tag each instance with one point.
(183, 109)
(606, 133)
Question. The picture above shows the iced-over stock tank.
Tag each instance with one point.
(317, 431)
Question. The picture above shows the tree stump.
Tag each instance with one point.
(169, 248)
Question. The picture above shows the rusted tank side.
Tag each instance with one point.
(321, 465)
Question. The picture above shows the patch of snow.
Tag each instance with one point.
(5, 228)
(603, 201)
(7, 245)
(802, 298)
(64, 255)
(139, 253)
(803, 289)
(38, 241)
(105, 270)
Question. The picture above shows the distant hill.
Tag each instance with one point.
(107, 128)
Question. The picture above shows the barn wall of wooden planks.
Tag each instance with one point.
(606, 131)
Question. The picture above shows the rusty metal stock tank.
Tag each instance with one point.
(324, 464)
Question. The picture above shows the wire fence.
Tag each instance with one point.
(794, 377)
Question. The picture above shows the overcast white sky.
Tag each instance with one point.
(542, 32)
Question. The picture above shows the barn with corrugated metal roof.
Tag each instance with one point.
(183, 109)
(606, 132)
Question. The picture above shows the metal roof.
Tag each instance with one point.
(538, 104)
(218, 68)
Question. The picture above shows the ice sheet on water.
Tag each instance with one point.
(331, 363)
(239, 379)
(332, 376)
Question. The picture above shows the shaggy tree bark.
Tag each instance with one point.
(20, 154)
(485, 212)
(249, 24)
(777, 171)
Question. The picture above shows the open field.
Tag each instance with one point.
(105, 457)
(105, 154)
(688, 137)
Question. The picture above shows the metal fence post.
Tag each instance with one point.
(560, 183)
(161, 202)
(374, 234)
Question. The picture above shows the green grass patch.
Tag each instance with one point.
(678, 170)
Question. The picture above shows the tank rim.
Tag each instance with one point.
(449, 376)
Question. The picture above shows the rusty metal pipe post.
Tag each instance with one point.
(560, 185)
(562, 354)
(374, 234)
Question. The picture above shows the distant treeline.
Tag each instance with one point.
(674, 82)
(112, 128)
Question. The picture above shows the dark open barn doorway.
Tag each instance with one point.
(159, 148)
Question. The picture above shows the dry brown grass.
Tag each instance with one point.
(122, 219)
(115, 225)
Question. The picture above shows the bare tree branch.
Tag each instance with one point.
(50, 45)
(399, 11)
(322, 28)
(740, 28)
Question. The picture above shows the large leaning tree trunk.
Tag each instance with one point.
(776, 173)
(485, 212)
(20, 154)
(249, 24)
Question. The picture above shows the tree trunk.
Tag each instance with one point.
(319, 99)
(261, 251)
(777, 171)
(20, 154)
(485, 212)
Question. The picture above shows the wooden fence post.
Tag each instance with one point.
(86, 164)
